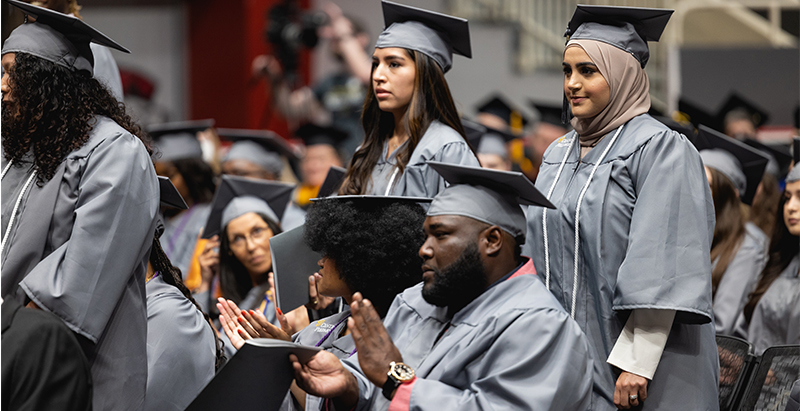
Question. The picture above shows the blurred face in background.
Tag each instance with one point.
(318, 160)
(791, 209)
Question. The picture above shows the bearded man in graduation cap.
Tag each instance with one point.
(79, 200)
(480, 329)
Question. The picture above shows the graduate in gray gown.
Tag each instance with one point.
(180, 158)
(771, 316)
(260, 154)
(739, 249)
(480, 332)
(183, 351)
(245, 214)
(370, 245)
(79, 201)
(399, 136)
(626, 252)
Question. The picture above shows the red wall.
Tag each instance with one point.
(224, 37)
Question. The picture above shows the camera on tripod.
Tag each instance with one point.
(289, 29)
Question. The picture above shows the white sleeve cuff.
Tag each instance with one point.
(639, 346)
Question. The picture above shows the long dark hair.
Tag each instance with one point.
(234, 280)
(783, 247)
(431, 100)
(172, 276)
(765, 203)
(729, 229)
(52, 111)
(199, 179)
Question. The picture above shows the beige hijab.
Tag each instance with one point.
(629, 86)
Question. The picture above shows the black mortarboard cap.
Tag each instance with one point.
(627, 28)
(548, 113)
(499, 106)
(170, 195)
(692, 113)
(312, 134)
(178, 140)
(751, 162)
(275, 195)
(436, 35)
(57, 37)
(735, 101)
(780, 157)
(332, 181)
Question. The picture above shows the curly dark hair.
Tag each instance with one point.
(52, 111)
(234, 280)
(373, 246)
(199, 179)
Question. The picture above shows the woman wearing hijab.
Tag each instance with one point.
(409, 116)
(626, 252)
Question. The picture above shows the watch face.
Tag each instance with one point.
(402, 372)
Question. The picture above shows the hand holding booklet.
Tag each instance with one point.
(257, 377)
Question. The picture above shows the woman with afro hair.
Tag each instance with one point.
(370, 244)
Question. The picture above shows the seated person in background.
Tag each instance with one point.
(179, 157)
(244, 216)
(183, 349)
(370, 245)
(322, 153)
(481, 329)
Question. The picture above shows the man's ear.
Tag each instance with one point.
(492, 240)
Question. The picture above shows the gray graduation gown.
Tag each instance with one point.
(776, 318)
(646, 224)
(740, 279)
(79, 248)
(439, 143)
(180, 235)
(512, 348)
(324, 333)
(180, 349)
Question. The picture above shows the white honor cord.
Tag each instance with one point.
(5, 170)
(577, 220)
(16, 207)
(544, 215)
(391, 182)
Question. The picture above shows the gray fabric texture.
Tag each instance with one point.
(181, 349)
(512, 348)
(240, 206)
(623, 37)
(179, 146)
(43, 41)
(483, 204)
(645, 241)
(414, 35)
(439, 143)
(79, 248)
(725, 162)
(256, 154)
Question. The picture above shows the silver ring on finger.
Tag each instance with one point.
(633, 397)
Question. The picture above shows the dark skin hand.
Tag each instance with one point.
(324, 375)
(373, 343)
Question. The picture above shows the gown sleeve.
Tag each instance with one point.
(514, 373)
(640, 345)
(738, 281)
(667, 264)
(114, 221)
(424, 181)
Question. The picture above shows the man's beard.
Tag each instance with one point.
(459, 283)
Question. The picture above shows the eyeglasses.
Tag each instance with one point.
(257, 235)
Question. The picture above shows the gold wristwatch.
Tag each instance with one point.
(399, 373)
